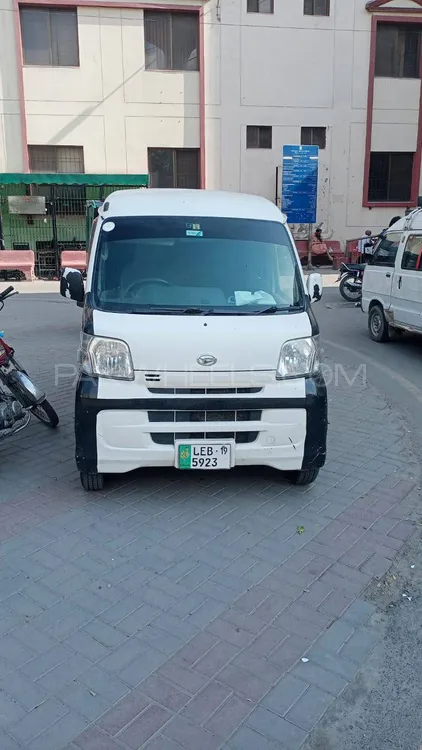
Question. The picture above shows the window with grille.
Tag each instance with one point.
(260, 6)
(173, 168)
(316, 7)
(68, 199)
(398, 50)
(62, 159)
(259, 136)
(313, 137)
(171, 40)
(390, 177)
(49, 36)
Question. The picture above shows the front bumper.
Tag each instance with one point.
(120, 435)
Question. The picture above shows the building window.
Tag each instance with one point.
(49, 36)
(68, 200)
(398, 50)
(171, 40)
(61, 159)
(173, 168)
(390, 177)
(260, 6)
(313, 137)
(316, 7)
(259, 136)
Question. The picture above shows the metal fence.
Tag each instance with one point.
(49, 218)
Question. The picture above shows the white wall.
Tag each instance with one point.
(395, 129)
(11, 154)
(288, 71)
(110, 105)
(285, 70)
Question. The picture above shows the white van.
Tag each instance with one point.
(392, 281)
(199, 347)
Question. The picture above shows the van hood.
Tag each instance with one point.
(173, 343)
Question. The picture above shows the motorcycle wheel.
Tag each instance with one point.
(348, 294)
(46, 414)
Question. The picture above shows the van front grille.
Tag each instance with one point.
(168, 438)
(200, 391)
(241, 415)
(153, 377)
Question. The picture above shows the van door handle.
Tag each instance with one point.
(400, 280)
(388, 275)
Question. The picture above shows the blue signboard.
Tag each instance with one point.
(300, 184)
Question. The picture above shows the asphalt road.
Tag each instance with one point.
(394, 368)
(381, 709)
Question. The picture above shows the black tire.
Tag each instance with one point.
(346, 293)
(46, 414)
(306, 476)
(92, 482)
(377, 324)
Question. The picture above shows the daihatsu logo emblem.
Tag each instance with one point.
(206, 360)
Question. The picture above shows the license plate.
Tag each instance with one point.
(203, 455)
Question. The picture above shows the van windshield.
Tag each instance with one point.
(190, 265)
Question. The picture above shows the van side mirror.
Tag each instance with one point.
(72, 285)
(314, 287)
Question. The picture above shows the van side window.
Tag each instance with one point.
(386, 250)
(412, 256)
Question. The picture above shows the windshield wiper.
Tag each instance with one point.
(235, 310)
(267, 310)
(158, 310)
(197, 311)
(271, 309)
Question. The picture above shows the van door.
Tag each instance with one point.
(407, 284)
(379, 274)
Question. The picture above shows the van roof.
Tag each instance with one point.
(413, 220)
(195, 203)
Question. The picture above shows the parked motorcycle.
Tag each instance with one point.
(350, 278)
(20, 397)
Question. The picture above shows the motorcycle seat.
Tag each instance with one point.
(354, 266)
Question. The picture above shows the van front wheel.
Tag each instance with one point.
(92, 482)
(377, 324)
(306, 476)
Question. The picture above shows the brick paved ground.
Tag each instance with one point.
(175, 611)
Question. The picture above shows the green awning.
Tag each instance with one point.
(35, 178)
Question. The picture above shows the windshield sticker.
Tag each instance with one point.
(108, 226)
(194, 233)
(194, 230)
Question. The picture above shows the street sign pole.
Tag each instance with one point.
(299, 193)
(309, 247)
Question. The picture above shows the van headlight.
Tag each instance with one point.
(299, 357)
(107, 358)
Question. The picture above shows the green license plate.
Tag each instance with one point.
(203, 455)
